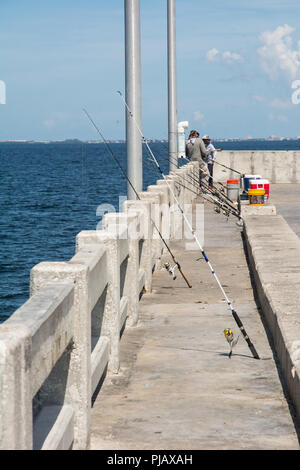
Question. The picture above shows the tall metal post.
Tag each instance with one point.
(133, 96)
(172, 88)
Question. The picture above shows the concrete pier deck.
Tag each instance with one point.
(177, 388)
(286, 198)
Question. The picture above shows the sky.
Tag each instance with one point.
(238, 68)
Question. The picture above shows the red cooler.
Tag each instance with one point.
(261, 184)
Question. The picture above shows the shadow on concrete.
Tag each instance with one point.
(98, 388)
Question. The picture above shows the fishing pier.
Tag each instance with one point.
(122, 346)
(110, 352)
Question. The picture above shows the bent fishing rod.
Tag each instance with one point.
(229, 303)
(169, 269)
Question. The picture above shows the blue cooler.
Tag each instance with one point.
(247, 179)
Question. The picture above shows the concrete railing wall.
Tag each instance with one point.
(276, 166)
(274, 256)
(57, 347)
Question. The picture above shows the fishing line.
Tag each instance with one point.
(229, 303)
(135, 192)
(228, 168)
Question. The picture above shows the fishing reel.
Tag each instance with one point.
(171, 270)
(226, 212)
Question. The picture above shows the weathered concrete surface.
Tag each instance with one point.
(274, 255)
(267, 209)
(177, 389)
(278, 166)
(286, 198)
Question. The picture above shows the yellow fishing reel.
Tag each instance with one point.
(228, 335)
(231, 340)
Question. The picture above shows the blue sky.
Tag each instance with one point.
(236, 62)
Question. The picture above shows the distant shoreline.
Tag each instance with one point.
(77, 141)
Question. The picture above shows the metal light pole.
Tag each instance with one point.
(133, 96)
(172, 90)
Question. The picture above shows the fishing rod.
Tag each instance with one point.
(219, 193)
(228, 168)
(138, 197)
(215, 191)
(218, 163)
(174, 160)
(226, 210)
(229, 303)
(219, 206)
(213, 196)
(226, 205)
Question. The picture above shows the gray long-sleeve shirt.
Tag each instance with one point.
(195, 150)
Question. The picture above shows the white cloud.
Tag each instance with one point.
(212, 55)
(228, 57)
(198, 116)
(277, 54)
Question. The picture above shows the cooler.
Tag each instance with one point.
(256, 197)
(247, 179)
(261, 184)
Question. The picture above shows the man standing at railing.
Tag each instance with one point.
(195, 151)
(212, 155)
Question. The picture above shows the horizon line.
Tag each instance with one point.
(91, 141)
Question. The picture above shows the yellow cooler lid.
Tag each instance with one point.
(256, 192)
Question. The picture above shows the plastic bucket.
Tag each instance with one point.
(247, 179)
(256, 197)
(233, 190)
(261, 184)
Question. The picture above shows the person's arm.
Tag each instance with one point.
(204, 152)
